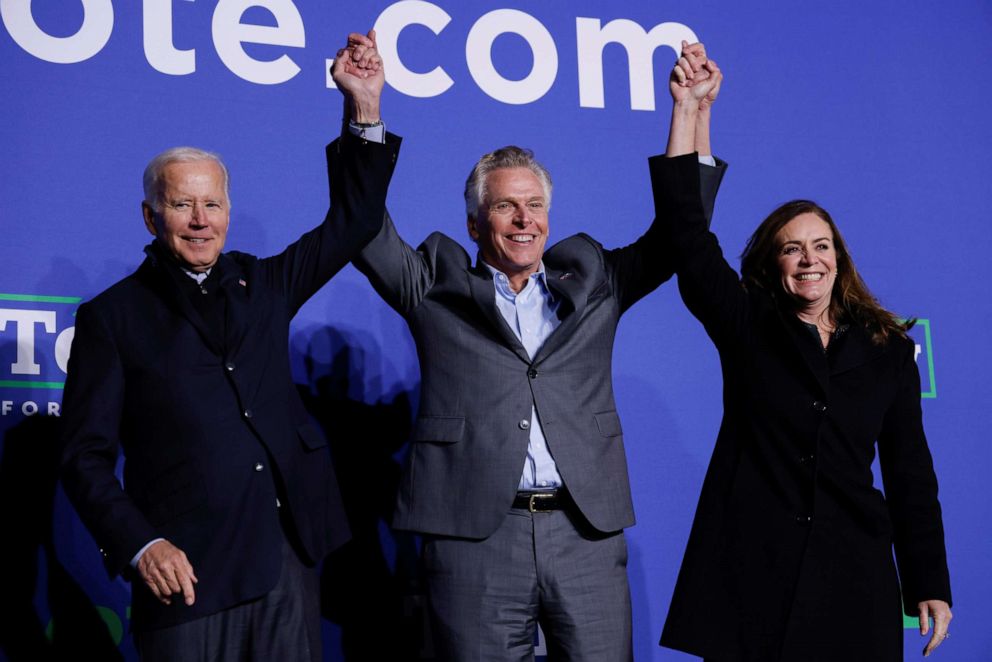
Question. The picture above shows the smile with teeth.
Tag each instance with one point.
(809, 277)
(521, 238)
(195, 240)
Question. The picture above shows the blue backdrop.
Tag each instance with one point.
(878, 110)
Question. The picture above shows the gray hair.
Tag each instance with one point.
(152, 179)
(505, 157)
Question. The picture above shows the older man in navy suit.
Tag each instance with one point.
(229, 498)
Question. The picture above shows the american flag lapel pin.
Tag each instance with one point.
(565, 276)
(242, 283)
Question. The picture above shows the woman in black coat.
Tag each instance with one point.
(790, 554)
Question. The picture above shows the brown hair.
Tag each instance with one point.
(851, 301)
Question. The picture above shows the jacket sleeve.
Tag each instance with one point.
(401, 275)
(710, 287)
(91, 417)
(358, 174)
(639, 268)
(911, 493)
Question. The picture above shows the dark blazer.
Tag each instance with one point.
(212, 428)
(478, 384)
(790, 555)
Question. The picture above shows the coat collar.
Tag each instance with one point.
(852, 350)
(164, 274)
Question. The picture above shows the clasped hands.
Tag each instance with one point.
(359, 74)
(695, 77)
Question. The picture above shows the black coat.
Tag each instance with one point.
(790, 554)
(209, 421)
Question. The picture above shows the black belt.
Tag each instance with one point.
(543, 502)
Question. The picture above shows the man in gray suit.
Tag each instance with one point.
(516, 475)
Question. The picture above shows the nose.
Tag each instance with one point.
(808, 257)
(522, 215)
(199, 213)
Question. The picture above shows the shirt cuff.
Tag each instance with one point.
(137, 557)
(707, 159)
(373, 134)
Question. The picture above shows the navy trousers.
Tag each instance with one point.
(284, 625)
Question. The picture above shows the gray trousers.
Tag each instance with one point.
(283, 625)
(486, 596)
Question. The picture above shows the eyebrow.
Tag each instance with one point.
(184, 197)
(520, 197)
(797, 241)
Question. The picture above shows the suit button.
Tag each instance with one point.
(524, 424)
(807, 459)
(532, 373)
(259, 466)
(819, 406)
(229, 366)
(247, 413)
(804, 519)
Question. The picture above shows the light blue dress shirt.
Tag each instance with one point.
(531, 314)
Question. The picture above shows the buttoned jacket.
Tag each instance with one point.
(212, 428)
(791, 551)
(478, 383)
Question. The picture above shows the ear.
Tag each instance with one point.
(473, 230)
(149, 215)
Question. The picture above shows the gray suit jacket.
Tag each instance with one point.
(478, 384)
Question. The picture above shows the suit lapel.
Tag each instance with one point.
(236, 289)
(570, 292)
(484, 293)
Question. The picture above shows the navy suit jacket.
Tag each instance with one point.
(212, 427)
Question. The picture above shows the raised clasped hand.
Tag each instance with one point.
(695, 77)
(358, 70)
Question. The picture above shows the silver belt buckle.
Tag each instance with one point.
(534, 501)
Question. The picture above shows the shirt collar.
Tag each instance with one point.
(198, 276)
(159, 254)
(502, 281)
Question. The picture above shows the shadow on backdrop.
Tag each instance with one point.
(370, 587)
(28, 477)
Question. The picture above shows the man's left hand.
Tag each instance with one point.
(166, 571)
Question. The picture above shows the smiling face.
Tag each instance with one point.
(807, 261)
(512, 224)
(192, 213)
